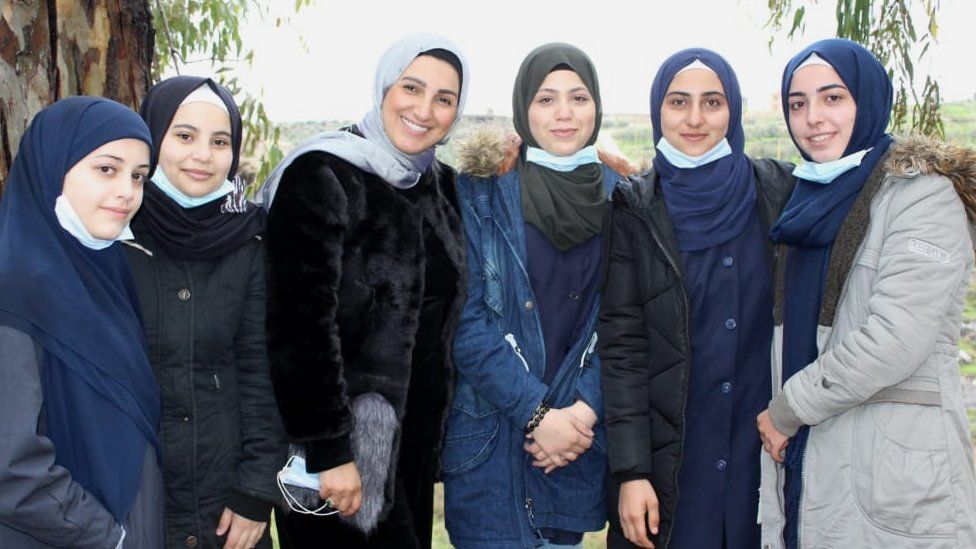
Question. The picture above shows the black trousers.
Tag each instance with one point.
(408, 525)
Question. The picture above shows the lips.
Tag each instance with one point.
(413, 128)
(694, 136)
(117, 212)
(564, 133)
(820, 138)
(198, 175)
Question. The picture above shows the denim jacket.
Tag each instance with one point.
(494, 497)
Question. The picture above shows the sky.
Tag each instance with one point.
(320, 65)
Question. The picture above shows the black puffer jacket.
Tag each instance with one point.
(643, 336)
(348, 265)
(221, 434)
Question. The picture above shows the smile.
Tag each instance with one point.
(117, 212)
(414, 127)
(820, 137)
(198, 175)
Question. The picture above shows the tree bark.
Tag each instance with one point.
(51, 49)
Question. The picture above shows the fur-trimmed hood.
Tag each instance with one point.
(919, 155)
(489, 152)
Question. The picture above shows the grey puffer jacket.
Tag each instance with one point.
(889, 462)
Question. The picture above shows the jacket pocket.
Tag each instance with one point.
(472, 431)
(901, 469)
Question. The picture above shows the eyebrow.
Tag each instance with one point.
(112, 156)
(187, 126)
(704, 94)
(574, 90)
(424, 84)
(819, 90)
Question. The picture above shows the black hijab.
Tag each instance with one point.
(568, 207)
(213, 229)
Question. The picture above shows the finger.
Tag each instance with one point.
(570, 456)
(225, 519)
(653, 517)
(550, 469)
(233, 538)
(357, 503)
(639, 529)
(580, 426)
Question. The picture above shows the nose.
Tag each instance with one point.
(695, 118)
(814, 116)
(423, 110)
(126, 189)
(202, 151)
(563, 110)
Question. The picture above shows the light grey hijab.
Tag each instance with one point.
(375, 153)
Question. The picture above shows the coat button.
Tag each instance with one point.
(726, 387)
(186, 419)
(721, 464)
(183, 294)
(575, 296)
(529, 305)
(191, 541)
(730, 324)
(727, 261)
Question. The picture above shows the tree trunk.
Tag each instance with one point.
(51, 49)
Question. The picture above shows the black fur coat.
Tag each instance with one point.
(346, 273)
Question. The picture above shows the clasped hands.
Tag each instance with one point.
(562, 436)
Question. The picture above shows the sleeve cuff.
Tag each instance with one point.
(322, 455)
(783, 417)
(627, 477)
(249, 507)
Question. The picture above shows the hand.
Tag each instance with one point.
(344, 486)
(638, 509)
(582, 410)
(539, 458)
(244, 533)
(773, 441)
(562, 436)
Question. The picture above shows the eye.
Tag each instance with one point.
(106, 169)
(184, 136)
(446, 101)
(545, 100)
(581, 98)
(796, 105)
(677, 102)
(221, 142)
(833, 97)
(139, 177)
(713, 102)
(411, 87)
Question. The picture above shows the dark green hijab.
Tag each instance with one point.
(568, 207)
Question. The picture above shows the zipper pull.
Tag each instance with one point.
(589, 350)
(216, 381)
(510, 338)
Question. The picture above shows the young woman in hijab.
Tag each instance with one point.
(366, 256)
(198, 263)
(78, 445)
(525, 450)
(686, 320)
(876, 264)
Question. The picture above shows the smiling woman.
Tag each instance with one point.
(365, 256)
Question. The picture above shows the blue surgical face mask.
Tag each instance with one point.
(679, 159)
(826, 172)
(70, 221)
(586, 155)
(163, 183)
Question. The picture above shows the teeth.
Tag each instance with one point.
(819, 138)
(413, 126)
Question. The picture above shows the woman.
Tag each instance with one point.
(198, 263)
(877, 264)
(686, 319)
(78, 444)
(525, 449)
(365, 260)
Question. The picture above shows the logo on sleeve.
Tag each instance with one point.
(928, 250)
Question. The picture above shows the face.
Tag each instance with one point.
(105, 187)
(562, 114)
(695, 112)
(821, 112)
(196, 152)
(419, 108)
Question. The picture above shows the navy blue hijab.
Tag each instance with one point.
(709, 205)
(80, 305)
(812, 219)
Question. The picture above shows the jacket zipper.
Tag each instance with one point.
(684, 402)
(510, 338)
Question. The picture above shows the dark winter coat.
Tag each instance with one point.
(220, 430)
(346, 283)
(644, 338)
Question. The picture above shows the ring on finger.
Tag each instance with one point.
(329, 502)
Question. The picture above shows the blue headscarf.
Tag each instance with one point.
(80, 305)
(709, 205)
(814, 213)
(812, 219)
